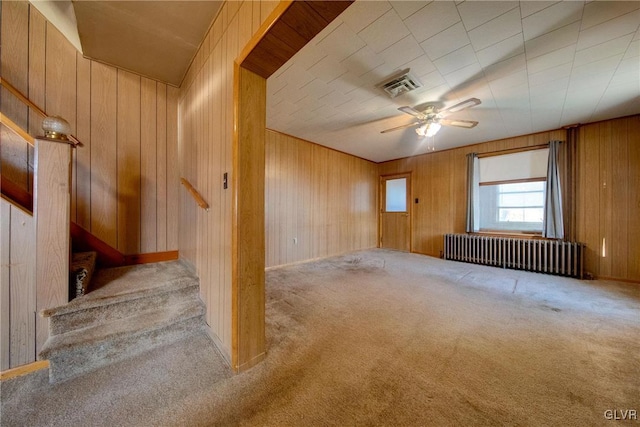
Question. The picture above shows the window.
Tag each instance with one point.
(515, 206)
(396, 195)
(511, 192)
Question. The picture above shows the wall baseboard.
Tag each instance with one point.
(24, 370)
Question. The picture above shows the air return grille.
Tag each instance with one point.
(400, 84)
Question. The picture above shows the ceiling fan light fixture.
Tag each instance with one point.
(422, 130)
(432, 129)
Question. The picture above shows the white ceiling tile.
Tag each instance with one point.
(402, 52)
(551, 18)
(496, 30)
(507, 67)
(463, 75)
(341, 42)
(445, 42)
(431, 19)
(597, 70)
(633, 51)
(618, 101)
(551, 59)
(377, 75)
(423, 95)
(421, 66)
(530, 7)
(361, 94)
(598, 12)
(518, 78)
(334, 98)
(550, 74)
(384, 32)
(609, 30)
(500, 51)
(404, 9)
(316, 88)
(342, 113)
(362, 13)
(476, 13)
(628, 72)
(362, 61)
(306, 58)
(327, 69)
(551, 94)
(604, 50)
(456, 60)
(553, 40)
(431, 80)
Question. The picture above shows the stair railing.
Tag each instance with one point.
(48, 236)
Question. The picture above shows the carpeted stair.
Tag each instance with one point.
(131, 310)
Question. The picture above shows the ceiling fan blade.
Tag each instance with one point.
(412, 111)
(401, 127)
(459, 123)
(471, 102)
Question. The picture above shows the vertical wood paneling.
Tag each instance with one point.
(128, 166)
(82, 183)
(439, 181)
(60, 77)
(324, 199)
(104, 200)
(22, 289)
(5, 283)
(633, 188)
(14, 65)
(173, 179)
(205, 154)
(161, 167)
(37, 80)
(148, 166)
(608, 164)
(589, 185)
(52, 204)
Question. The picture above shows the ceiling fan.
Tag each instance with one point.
(432, 118)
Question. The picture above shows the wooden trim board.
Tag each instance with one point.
(24, 370)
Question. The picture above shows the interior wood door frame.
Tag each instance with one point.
(382, 201)
(290, 26)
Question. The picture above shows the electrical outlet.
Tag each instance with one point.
(295, 240)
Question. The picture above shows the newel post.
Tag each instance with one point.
(52, 216)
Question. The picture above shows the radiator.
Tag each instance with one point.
(543, 256)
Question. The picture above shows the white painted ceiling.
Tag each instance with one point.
(536, 66)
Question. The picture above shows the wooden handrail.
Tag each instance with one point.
(16, 129)
(198, 198)
(30, 104)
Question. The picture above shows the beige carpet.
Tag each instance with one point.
(382, 338)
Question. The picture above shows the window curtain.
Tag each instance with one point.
(473, 193)
(553, 224)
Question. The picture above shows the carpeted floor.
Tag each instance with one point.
(381, 338)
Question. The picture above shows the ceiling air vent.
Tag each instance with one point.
(400, 83)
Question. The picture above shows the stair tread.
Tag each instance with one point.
(143, 322)
(127, 283)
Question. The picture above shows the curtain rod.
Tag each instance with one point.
(513, 150)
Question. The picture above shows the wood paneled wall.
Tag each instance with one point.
(17, 287)
(319, 202)
(439, 184)
(608, 197)
(607, 193)
(125, 178)
(205, 155)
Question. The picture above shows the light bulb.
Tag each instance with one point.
(432, 129)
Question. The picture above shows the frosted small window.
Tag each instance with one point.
(396, 195)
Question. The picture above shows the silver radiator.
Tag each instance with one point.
(543, 256)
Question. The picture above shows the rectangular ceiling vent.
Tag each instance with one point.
(400, 84)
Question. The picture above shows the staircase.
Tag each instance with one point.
(131, 310)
